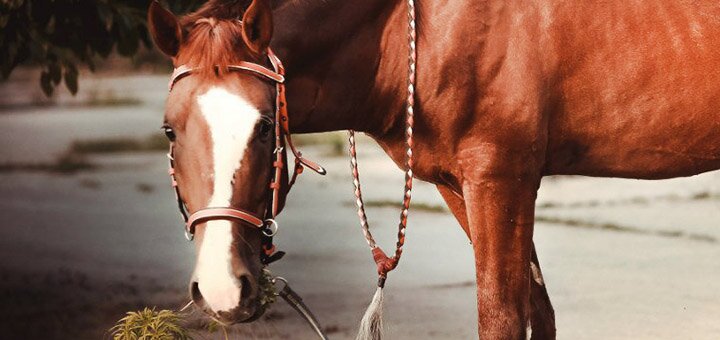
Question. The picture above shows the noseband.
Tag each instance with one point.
(267, 225)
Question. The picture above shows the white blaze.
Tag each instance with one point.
(231, 120)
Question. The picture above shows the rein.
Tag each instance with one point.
(371, 324)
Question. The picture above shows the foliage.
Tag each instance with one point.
(57, 35)
(151, 325)
(268, 291)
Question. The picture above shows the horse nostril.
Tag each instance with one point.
(248, 289)
(195, 292)
(196, 296)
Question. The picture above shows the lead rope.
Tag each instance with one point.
(371, 324)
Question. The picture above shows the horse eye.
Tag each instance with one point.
(265, 128)
(169, 133)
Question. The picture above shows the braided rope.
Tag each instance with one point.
(386, 264)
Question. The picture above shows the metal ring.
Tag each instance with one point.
(189, 236)
(281, 279)
(271, 227)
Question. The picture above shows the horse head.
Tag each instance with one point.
(221, 125)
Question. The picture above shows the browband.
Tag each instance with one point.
(183, 70)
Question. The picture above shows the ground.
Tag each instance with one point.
(623, 259)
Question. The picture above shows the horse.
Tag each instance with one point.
(507, 92)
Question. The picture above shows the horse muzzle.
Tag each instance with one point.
(247, 309)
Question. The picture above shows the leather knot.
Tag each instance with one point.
(384, 263)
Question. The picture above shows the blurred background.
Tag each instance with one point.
(90, 227)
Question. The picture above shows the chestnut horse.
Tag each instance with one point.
(507, 92)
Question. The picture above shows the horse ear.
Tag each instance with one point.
(164, 28)
(257, 25)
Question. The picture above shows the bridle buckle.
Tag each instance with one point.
(271, 227)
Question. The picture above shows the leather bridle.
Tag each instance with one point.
(267, 225)
(371, 324)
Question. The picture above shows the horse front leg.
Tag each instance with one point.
(542, 317)
(500, 188)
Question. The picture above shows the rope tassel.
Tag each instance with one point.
(371, 325)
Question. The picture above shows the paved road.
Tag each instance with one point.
(623, 259)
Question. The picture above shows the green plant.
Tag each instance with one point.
(268, 290)
(56, 35)
(150, 324)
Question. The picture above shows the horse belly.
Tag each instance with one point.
(654, 153)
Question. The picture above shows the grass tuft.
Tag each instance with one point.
(151, 325)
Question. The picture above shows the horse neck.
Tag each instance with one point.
(346, 63)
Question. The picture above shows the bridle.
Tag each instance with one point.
(371, 324)
(267, 225)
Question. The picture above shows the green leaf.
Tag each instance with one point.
(71, 78)
(40, 33)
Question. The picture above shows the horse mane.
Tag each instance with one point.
(212, 35)
(211, 44)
